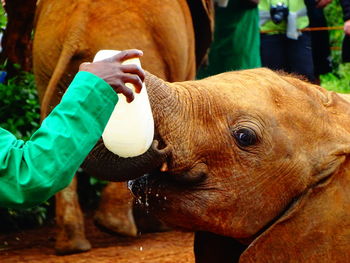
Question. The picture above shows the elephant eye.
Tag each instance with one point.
(245, 137)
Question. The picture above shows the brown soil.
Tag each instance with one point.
(37, 245)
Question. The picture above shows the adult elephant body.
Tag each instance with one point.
(68, 33)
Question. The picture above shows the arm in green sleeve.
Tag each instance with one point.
(33, 171)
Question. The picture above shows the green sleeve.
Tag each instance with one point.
(33, 171)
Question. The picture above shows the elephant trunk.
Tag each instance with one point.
(164, 101)
(105, 165)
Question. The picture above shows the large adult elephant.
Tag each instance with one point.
(257, 162)
(174, 35)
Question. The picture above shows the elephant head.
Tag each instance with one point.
(256, 156)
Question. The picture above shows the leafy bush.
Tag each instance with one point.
(334, 16)
(15, 219)
(3, 18)
(19, 109)
(339, 79)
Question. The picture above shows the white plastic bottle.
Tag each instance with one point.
(130, 129)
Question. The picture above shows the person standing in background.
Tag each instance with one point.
(321, 52)
(283, 46)
(236, 38)
(346, 42)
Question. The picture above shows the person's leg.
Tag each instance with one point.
(346, 49)
(272, 50)
(321, 51)
(300, 56)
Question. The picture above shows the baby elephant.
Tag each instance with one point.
(257, 164)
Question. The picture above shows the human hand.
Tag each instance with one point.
(115, 74)
(322, 3)
(347, 27)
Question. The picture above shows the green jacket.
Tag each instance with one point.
(33, 171)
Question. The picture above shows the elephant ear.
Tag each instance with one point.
(202, 12)
(316, 228)
(213, 248)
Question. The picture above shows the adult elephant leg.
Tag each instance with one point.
(115, 210)
(70, 221)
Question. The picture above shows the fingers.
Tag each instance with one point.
(120, 87)
(126, 54)
(133, 79)
(83, 66)
(116, 74)
(127, 93)
(134, 69)
(347, 27)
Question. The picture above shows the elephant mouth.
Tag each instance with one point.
(107, 166)
(158, 183)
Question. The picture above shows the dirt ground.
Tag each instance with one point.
(37, 246)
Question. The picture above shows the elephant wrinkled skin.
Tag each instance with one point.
(69, 32)
(259, 167)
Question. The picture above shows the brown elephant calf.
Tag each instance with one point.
(257, 164)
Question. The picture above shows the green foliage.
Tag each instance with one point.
(3, 18)
(334, 16)
(97, 185)
(19, 109)
(339, 79)
(13, 219)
